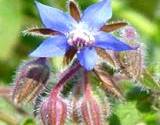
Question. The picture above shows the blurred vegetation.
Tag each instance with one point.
(141, 108)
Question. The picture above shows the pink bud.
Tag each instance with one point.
(53, 111)
(30, 79)
(129, 33)
(44, 112)
(91, 112)
(90, 109)
(131, 63)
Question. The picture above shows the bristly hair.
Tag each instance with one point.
(40, 98)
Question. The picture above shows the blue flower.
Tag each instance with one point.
(77, 33)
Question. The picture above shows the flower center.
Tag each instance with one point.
(80, 38)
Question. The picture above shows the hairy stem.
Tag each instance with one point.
(68, 75)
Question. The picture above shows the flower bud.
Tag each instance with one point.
(90, 108)
(91, 112)
(129, 33)
(53, 111)
(44, 112)
(30, 80)
(131, 63)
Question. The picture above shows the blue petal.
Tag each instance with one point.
(53, 46)
(54, 18)
(98, 14)
(107, 41)
(87, 58)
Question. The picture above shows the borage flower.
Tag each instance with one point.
(78, 34)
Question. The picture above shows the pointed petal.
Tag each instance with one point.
(74, 10)
(97, 14)
(113, 26)
(54, 18)
(107, 41)
(87, 58)
(53, 46)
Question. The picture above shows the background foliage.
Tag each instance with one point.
(140, 108)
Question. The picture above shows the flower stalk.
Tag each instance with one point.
(65, 77)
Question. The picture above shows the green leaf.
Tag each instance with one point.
(148, 81)
(29, 121)
(128, 113)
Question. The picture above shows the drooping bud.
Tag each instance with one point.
(91, 112)
(90, 108)
(58, 111)
(53, 111)
(30, 79)
(44, 112)
(131, 63)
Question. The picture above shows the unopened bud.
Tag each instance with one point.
(44, 112)
(91, 112)
(30, 79)
(90, 108)
(53, 111)
(131, 63)
(129, 33)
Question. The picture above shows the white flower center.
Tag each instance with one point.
(79, 37)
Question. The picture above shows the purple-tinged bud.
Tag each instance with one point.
(58, 112)
(44, 112)
(129, 33)
(53, 111)
(30, 79)
(90, 108)
(91, 112)
(131, 63)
